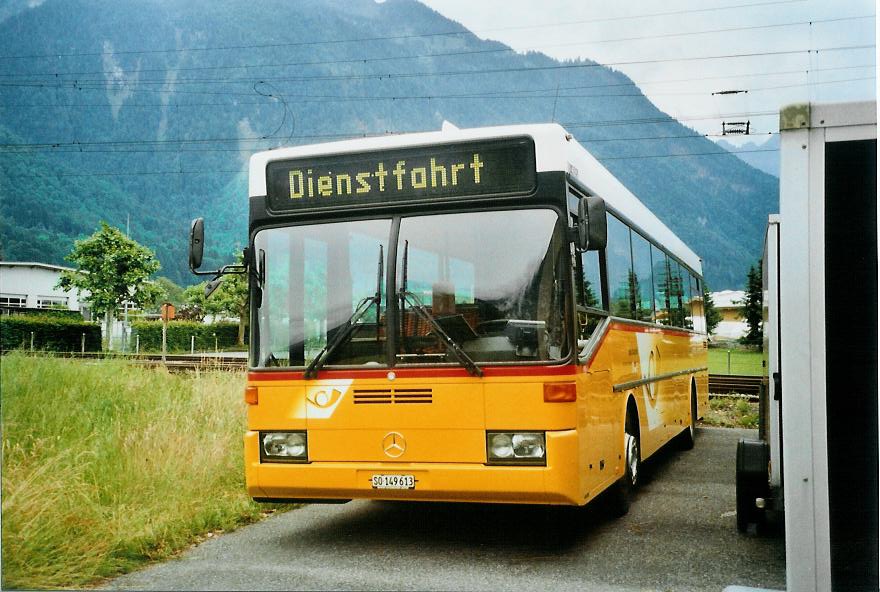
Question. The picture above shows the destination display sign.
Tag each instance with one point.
(442, 171)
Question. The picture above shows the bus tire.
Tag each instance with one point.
(622, 492)
(689, 436)
(752, 457)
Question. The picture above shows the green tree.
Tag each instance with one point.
(171, 292)
(753, 307)
(111, 269)
(195, 305)
(230, 299)
(713, 316)
(590, 298)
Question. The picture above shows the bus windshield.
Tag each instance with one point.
(491, 282)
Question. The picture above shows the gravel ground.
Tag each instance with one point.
(680, 534)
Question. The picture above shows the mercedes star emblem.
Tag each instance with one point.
(393, 444)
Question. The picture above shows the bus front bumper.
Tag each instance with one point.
(556, 483)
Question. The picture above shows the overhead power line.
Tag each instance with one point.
(575, 124)
(306, 98)
(408, 36)
(125, 174)
(368, 60)
(686, 154)
(512, 92)
(115, 84)
(240, 171)
(654, 120)
(78, 149)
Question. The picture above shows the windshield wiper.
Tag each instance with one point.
(343, 334)
(466, 360)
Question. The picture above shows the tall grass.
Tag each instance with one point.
(107, 466)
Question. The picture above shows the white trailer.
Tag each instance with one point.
(815, 464)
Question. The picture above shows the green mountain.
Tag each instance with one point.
(146, 112)
(764, 156)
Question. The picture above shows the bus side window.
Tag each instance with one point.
(589, 292)
(642, 283)
(661, 285)
(676, 288)
(678, 292)
(686, 298)
(621, 280)
(699, 319)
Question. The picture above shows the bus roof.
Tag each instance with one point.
(555, 150)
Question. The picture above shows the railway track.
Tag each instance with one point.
(732, 384)
(174, 362)
(192, 363)
(719, 384)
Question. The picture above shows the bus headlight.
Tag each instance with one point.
(284, 447)
(516, 448)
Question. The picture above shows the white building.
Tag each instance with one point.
(733, 324)
(32, 285)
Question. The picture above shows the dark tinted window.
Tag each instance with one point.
(589, 284)
(697, 313)
(686, 297)
(661, 288)
(676, 294)
(642, 283)
(619, 269)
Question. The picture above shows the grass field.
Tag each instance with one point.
(107, 466)
(741, 362)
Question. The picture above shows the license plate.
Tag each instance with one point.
(393, 481)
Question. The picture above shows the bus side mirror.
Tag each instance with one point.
(196, 243)
(592, 228)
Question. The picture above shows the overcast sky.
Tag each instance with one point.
(614, 33)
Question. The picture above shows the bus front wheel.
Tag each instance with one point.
(689, 436)
(623, 491)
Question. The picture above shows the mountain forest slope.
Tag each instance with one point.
(143, 114)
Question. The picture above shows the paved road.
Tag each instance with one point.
(680, 534)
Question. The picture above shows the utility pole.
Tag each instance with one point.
(167, 315)
(555, 100)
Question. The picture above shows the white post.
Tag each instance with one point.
(164, 336)
(137, 344)
(192, 344)
(82, 345)
(32, 341)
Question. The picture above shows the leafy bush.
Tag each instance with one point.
(50, 333)
(47, 312)
(181, 332)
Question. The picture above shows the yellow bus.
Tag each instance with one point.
(475, 315)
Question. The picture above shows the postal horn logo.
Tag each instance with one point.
(394, 444)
